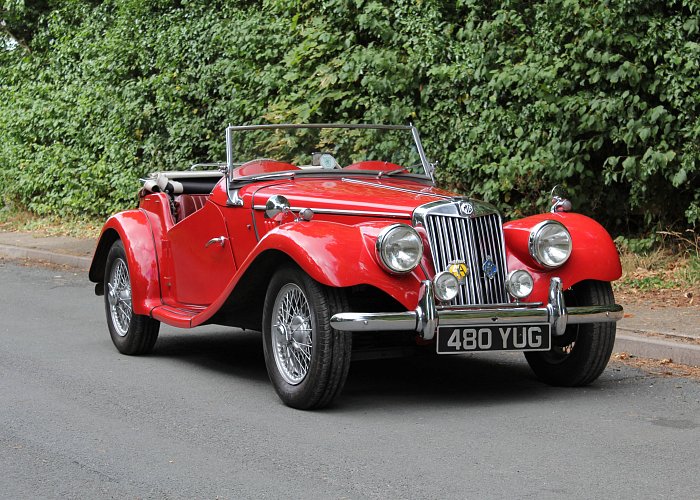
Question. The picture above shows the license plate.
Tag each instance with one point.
(455, 340)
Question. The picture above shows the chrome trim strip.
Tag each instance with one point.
(402, 215)
(393, 188)
(252, 213)
(186, 174)
(217, 165)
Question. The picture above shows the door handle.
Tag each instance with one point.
(220, 240)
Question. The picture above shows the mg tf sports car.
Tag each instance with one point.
(334, 242)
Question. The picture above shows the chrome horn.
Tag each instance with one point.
(559, 202)
(276, 205)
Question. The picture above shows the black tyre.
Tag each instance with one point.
(580, 355)
(131, 333)
(307, 360)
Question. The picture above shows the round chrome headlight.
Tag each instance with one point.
(399, 248)
(519, 283)
(550, 244)
(446, 286)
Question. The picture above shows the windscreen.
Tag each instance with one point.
(329, 147)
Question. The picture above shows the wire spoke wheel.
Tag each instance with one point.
(131, 333)
(119, 297)
(293, 334)
(306, 359)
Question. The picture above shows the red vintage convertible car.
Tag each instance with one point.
(342, 247)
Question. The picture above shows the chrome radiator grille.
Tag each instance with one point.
(474, 241)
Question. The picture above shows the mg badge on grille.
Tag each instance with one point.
(489, 267)
(466, 208)
(459, 270)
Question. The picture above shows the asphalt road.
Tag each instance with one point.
(198, 419)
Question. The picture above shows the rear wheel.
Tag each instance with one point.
(580, 355)
(131, 333)
(306, 359)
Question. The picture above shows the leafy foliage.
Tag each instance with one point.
(511, 97)
(19, 21)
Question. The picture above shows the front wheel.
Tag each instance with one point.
(131, 333)
(580, 355)
(307, 360)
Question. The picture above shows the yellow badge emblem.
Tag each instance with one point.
(459, 270)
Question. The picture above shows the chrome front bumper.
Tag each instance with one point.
(427, 316)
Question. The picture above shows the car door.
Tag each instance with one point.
(202, 258)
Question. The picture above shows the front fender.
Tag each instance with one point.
(593, 254)
(333, 254)
(133, 228)
(340, 256)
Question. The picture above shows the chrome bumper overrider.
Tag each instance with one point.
(427, 316)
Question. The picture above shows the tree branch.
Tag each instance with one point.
(19, 41)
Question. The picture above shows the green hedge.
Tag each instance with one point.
(511, 97)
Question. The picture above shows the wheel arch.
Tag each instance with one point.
(99, 260)
(244, 305)
(133, 228)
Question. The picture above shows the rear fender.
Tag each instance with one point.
(593, 254)
(133, 228)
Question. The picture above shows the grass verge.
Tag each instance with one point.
(668, 270)
(19, 220)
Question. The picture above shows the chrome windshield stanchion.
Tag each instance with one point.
(233, 199)
(558, 317)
